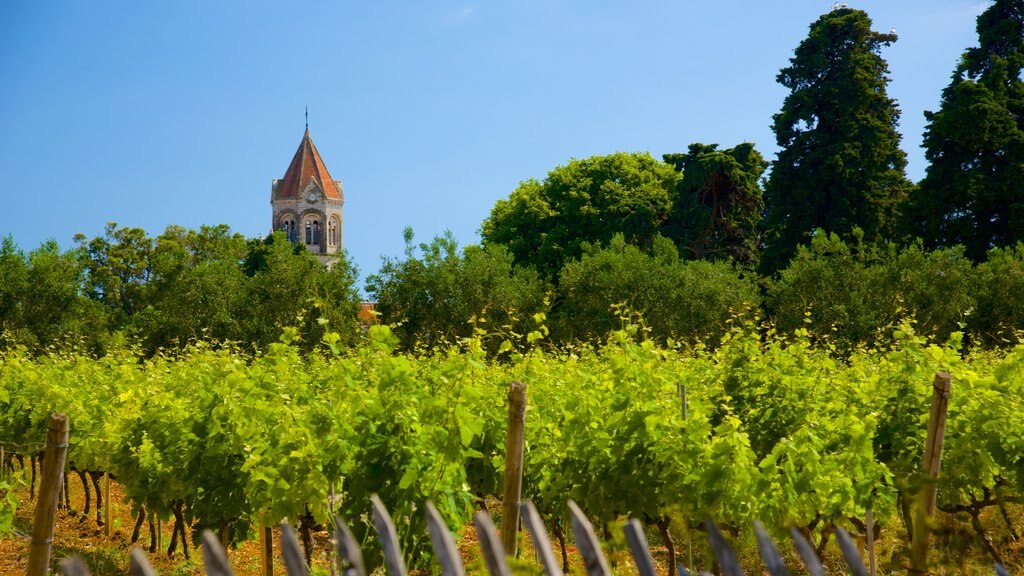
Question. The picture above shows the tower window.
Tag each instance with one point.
(309, 233)
(316, 232)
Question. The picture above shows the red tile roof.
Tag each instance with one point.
(307, 164)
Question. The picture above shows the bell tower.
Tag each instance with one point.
(307, 203)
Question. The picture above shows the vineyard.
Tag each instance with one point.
(764, 427)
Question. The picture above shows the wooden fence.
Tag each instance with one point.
(349, 557)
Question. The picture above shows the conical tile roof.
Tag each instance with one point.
(307, 165)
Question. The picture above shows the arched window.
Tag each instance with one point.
(316, 231)
(309, 233)
(292, 235)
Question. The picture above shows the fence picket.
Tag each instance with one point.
(586, 541)
(74, 566)
(807, 553)
(348, 550)
(294, 565)
(850, 554)
(139, 565)
(724, 554)
(214, 557)
(638, 546)
(388, 538)
(541, 542)
(769, 552)
(490, 545)
(444, 545)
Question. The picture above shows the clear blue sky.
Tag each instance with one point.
(158, 113)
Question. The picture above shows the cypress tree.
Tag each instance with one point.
(973, 190)
(840, 166)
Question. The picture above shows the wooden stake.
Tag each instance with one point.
(45, 518)
(513, 483)
(869, 520)
(106, 503)
(267, 558)
(941, 390)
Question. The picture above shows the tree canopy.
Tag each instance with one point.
(840, 165)
(544, 224)
(717, 204)
(973, 191)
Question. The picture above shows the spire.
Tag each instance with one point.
(307, 118)
(307, 165)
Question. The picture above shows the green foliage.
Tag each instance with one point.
(773, 428)
(680, 300)
(998, 284)
(853, 295)
(442, 295)
(717, 204)
(840, 165)
(41, 301)
(971, 193)
(545, 224)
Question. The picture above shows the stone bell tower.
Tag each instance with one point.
(307, 203)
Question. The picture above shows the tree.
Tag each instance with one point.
(286, 286)
(840, 165)
(692, 301)
(545, 224)
(433, 298)
(973, 190)
(195, 289)
(117, 267)
(718, 203)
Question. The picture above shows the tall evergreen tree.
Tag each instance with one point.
(973, 191)
(840, 165)
(718, 202)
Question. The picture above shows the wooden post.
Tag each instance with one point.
(106, 503)
(513, 484)
(869, 520)
(263, 548)
(45, 518)
(941, 390)
(267, 558)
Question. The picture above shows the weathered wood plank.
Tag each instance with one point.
(443, 543)
(850, 554)
(348, 550)
(490, 545)
(587, 543)
(513, 481)
(724, 554)
(214, 557)
(45, 518)
(388, 538)
(807, 553)
(74, 566)
(541, 542)
(638, 546)
(139, 564)
(769, 552)
(294, 562)
(932, 462)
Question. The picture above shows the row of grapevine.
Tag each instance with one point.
(764, 427)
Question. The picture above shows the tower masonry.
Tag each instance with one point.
(307, 203)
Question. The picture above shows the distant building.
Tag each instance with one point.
(307, 203)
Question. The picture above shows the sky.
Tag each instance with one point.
(152, 114)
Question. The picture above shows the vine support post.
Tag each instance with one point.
(266, 535)
(106, 503)
(941, 389)
(45, 518)
(869, 521)
(513, 482)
